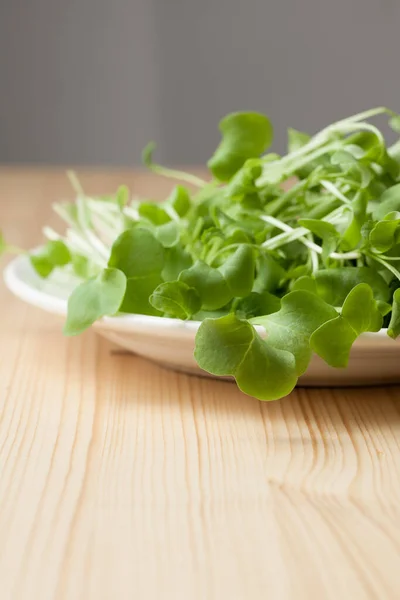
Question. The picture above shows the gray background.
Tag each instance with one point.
(91, 81)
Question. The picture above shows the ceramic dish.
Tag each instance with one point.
(375, 358)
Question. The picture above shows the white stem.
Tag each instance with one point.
(367, 114)
(179, 175)
(347, 128)
(345, 255)
(106, 219)
(103, 207)
(314, 259)
(97, 244)
(131, 212)
(51, 234)
(330, 187)
(319, 142)
(390, 258)
(81, 246)
(279, 224)
(85, 227)
(106, 232)
(75, 183)
(171, 212)
(297, 234)
(388, 266)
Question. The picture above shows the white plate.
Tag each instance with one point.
(375, 358)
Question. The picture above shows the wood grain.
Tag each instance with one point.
(122, 480)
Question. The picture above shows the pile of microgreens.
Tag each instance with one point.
(314, 263)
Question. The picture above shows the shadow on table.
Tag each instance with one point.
(307, 408)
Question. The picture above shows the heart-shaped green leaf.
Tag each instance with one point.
(244, 135)
(229, 346)
(176, 299)
(94, 299)
(360, 313)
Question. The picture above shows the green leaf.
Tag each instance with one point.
(229, 346)
(333, 285)
(243, 182)
(394, 123)
(333, 340)
(366, 230)
(41, 265)
(53, 254)
(83, 267)
(209, 283)
(122, 196)
(306, 283)
(344, 158)
(153, 213)
(238, 271)
(138, 254)
(324, 230)
(269, 274)
(177, 259)
(371, 144)
(244, 135)
(350, 165)
(137, 296)
(235, 235)
(384, 307)
(179, 200)
(394, 324)
(297, 139)
(255, 305)
(389, 202)
(385, 234)
(216, 287)
(298, 273)
(361, 310)
(168, 234)
(176, 299)
(352, 236)
(290, 329)
(94, 299)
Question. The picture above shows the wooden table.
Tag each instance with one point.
(122, 480)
